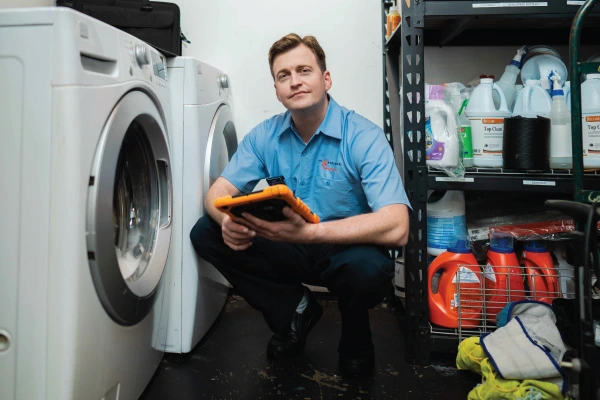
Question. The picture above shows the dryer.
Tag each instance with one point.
(86, 210)
(203, 141)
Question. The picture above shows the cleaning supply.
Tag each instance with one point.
(467, 138)
(565, 270)
(445, 220)
(561, 153)
(502, 275)
(540, 66)
(509, 78)
(518, 87)
(541, 277)
(590, 122)
(459, 286)
(487, 124)
(533, 101)
(567, 92)
(393, 20)
(441, 130)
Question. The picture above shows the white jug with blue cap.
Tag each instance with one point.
(532, 101)
(487, 123)
(540, 66)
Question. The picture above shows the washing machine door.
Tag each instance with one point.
(129, 209)
(222, 144)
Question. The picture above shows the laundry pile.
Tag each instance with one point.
(520, 360)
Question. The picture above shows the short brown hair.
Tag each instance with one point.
(290, 42)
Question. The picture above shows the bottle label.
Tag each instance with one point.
(465, 275)
(560, 141)
(465, 132)
(441, 231)
(488, 273)
(487, 134)
(434, 150)
(590, 127)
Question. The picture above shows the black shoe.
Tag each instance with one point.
(284, 346)
(355, 362)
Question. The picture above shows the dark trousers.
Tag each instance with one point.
(269, 275)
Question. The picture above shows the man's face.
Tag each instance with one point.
(299, 82)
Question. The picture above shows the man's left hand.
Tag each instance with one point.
(294, 229)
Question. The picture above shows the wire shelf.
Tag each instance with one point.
(477, 293)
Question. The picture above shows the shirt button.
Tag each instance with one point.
(302, 182)
(327, 183)
(302, 154)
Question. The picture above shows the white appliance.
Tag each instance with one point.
(86, 209)
(203, 141)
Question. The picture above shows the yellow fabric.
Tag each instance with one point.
(472, 357)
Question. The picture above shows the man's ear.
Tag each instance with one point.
(328, 82)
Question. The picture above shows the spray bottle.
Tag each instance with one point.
(561, 156)
(509, 78)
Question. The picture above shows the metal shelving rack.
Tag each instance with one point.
(458, 23)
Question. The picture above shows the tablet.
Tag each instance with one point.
(265, 204)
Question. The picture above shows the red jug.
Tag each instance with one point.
(503, 276)
(542, 278)
(459, 288)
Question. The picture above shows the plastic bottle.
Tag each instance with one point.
(393, 20)
(540, 66)
(565, 270)
(567, 92)
(459, 286)
(509, 78)
(502, 275)
(467, 138)
(561, 153)
(487, 124)
(445, 220)
(541, 277)
(532, 101)
(590, 122)
(441, 131)
(519, 88)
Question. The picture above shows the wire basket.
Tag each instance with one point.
(480, 293)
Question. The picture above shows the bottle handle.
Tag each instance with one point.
(503, 105)
(526, 95)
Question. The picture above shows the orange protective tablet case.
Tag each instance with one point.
(266, 204)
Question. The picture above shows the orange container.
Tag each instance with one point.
(393, 20)
(458, 267)
(502, 275)
(542, 278)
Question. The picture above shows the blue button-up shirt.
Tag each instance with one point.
(347, 168)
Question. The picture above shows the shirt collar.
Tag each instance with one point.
(331, 125)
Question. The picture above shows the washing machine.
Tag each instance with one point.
(203, 141)
(86, 208)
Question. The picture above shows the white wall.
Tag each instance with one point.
(235, 36)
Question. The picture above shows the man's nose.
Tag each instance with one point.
(295, 79)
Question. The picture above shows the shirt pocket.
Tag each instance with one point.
(331, 198)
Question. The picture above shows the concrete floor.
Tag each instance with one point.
(231, 363)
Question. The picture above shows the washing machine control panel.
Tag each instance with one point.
(145, 62)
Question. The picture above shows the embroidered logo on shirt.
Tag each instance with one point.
(328, 165)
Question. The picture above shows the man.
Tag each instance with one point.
(341, 165)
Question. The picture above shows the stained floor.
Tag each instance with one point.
(231, 363)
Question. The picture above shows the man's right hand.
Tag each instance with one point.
(236, 236)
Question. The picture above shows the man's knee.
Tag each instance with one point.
(204, 233)
(368, 268)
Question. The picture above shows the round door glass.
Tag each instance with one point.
(135, 204)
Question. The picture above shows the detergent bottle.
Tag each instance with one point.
(532, 101)
(487, 124)
(441, 130)
(509, 78)
(590, 122)
(459, 287)
(519, 88)
(467, 137)
(561, 153)
(541, 277)
(446, 219)
(502, 275)
(567, 91)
